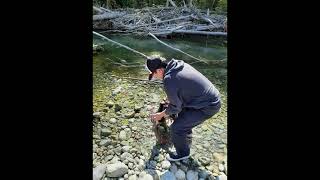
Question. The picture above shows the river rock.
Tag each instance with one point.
(133, 177)
(151, 165)
(218, 157)
(192, 175)
(221, 167)
(126, 148)
(173, 168)
(222, 177)
(99, 171)
(129, 114)
(122, 135)
(180, 175)
(167, 176)
(106, 131)
(165, 164)
(110, 104)
(154, 173)
(113, 120)
(125, 156)
(117, 90)
(97, 115)
(203, 174)
(146, 177)
(204, 161)
(105, 142)
(130, 165)
(117, 107)
(108, 158)
(116, 170)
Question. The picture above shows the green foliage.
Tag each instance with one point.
(222, 5)
(125, 122)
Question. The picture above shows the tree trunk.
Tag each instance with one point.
(108, 4)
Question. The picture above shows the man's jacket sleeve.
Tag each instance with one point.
(173, 96)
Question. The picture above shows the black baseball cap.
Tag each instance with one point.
(154, 64)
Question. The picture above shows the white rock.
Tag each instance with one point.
(146, 177)
(122, 135)
(116, 170)
(125, 156)
(117, 90)
(112, 120)
(222, 177)
(165, 164)
(221, 167)
(99, 171)
(126, 148)
(130, 172)
(130, 165)
(133, 177)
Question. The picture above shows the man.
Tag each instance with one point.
(192, 97)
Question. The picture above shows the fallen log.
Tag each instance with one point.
(201, 32)
(209, 27)
(106, 9)
(209, 33)
(98, 10)
(165, 21)
(106, 15)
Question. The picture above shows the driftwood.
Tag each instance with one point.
(107, 15)
(171, 2)
(201, 32)
(99, 10)
(165, 21)
(106, 9)
(159, 21)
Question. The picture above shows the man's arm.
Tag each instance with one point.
(175, 103)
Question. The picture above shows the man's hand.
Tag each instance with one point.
(157, 116)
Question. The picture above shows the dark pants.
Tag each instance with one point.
(181, 128)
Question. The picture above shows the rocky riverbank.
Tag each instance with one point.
(124, 146)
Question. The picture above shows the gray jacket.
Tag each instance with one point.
(187, 88)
